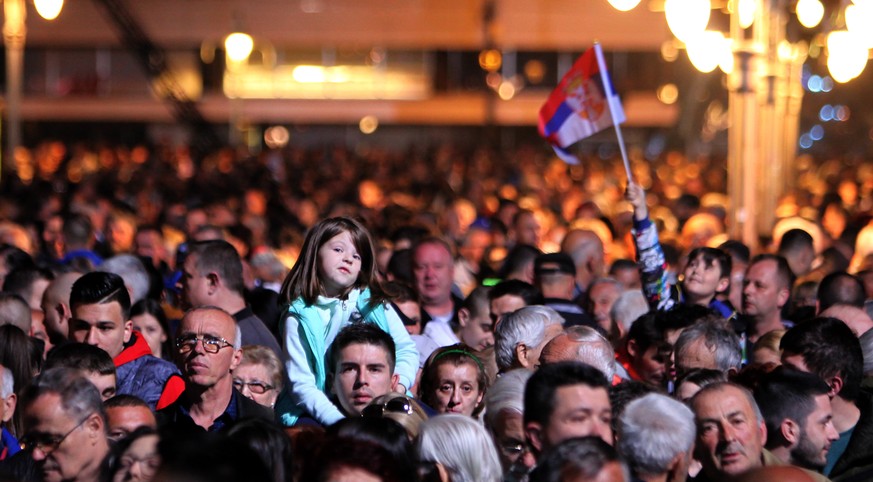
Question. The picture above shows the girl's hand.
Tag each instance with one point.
(637, 197)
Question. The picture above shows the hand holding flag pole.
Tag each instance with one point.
(579, 107)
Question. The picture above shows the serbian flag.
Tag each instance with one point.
(582, 105)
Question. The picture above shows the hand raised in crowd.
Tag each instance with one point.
(637, 197)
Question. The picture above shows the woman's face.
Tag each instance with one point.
(250, 378)
(457, 388)
(152, 332)
(140, 461)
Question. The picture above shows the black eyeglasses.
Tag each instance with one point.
(256, 387)
(211, 344)
(47, 443)
(395, 405)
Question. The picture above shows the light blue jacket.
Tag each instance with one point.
(309, 332)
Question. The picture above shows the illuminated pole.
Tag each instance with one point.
(14, 32)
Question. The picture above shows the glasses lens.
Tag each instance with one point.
(211, 345)
(372, 411)
(186, 343)
(258, 388)
(513, 449)
(399, 405)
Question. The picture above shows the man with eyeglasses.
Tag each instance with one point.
(207, 350)
(65, 427)
(100, 303)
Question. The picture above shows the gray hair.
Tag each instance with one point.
(629, 306)
(718, 338)
(594, 349)
(525, 326)
(270, 261)
(653, 430)
(132, 271)
(79, 397)
(507, 393)
(7, 382)
(462, 446)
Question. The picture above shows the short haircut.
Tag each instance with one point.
(132, 271)
(702, 377)
(828, 348)
(713, 256)
(594, 349)
(517, 258)
(653, 430)
(789, 394)
(477, 302)
(237, 335)
(364, 334)
(7, 382)
(784, 276)
(220, 257)
(646, 331)
(543, 385)
(461, 445)
(580, 458)
(79, 397)
(125, 400)
(630, 305)
(737, 250)
(15, 311)
(507, 393)
(718, 338)
(525, 326)
(264, 356)
(794, 240)
(81, 356)
(99, 288)
(525, 291)
(20, 280)
(78, 231)
(840, 288)
(717, 387)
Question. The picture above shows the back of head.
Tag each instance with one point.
(840, 288)
(21, 280)
(718, 338)
(594, 349)
(78, 232)
(97, 288)
(525, 291)
(629, 306)
(15, 311)
(786, 393)
(80, 356)
(828, 348)
(518, 259)
(580, 460)
(540, 390)
(461, 445)
(132, 271)
(477, 302)
(219, 256)
(507, 393)
(653, 430)
(737, 250)
(795, 240)
(269, 442)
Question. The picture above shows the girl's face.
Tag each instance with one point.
(457, 388)
(338, 264)
(152, 332)
(140, 461)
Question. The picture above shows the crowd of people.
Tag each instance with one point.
(433, 315)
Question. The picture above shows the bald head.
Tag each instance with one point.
(56, 306)
(856, 318)
(14, 311)
(586, 249)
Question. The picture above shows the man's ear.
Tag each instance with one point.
(214, 282)
(533, 431)
(395, 379)
(782, 297)
(95, 426)
(836, 383)
(722, 285)
(790, 431)
(128, 330)
(463, 317)
(237, 358)
(632, 349)
(521, 352)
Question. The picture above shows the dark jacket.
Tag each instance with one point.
(239, 408)
(152, 379)
(856, 463)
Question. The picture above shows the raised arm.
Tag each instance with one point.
(650, 256)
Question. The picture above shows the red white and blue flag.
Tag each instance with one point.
(583, 104)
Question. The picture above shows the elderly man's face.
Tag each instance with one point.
(199, 366)
(66, 447)
(434, 271)
(730, 439)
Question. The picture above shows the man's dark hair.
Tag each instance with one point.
(647, 331)
(784, 275)
(684, 315)
(219, 256)
(363, 334)
(400, 266)
(840, 288)
(542, 387)
(737, 250)
(517, 258)
(713, 256)
(125, 400)
(81, 356)
(828, 348)
(99, 288)
(621, 264)
(78, 231)
(20, 280)
(580, 458)
(525, 291)
(795, 239)
(786, 393)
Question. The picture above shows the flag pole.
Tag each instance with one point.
(610, 98)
